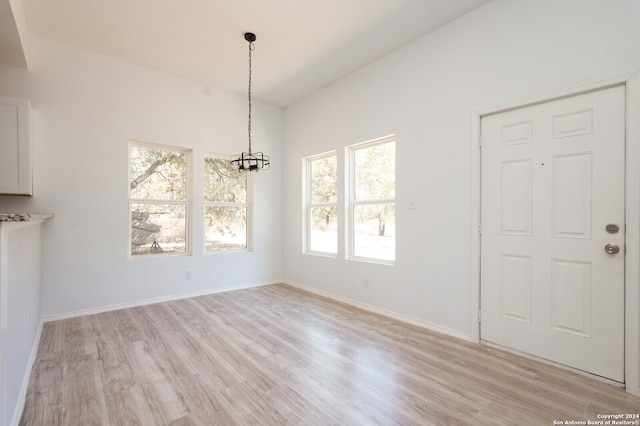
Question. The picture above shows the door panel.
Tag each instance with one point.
(571, 297)
(552, 180)
(515, 287)
(571, 196)
(516, 198)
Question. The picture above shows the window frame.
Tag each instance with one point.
(248, 205)
(187, 202)
(309, 205)
(352, 203)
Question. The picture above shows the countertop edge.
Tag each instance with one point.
(24, 217)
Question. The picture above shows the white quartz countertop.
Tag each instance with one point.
(24, 217)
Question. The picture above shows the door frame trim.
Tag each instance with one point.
(632, 212)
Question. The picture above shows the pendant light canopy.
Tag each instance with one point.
(250, 161)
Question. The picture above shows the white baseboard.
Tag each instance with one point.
(109, 308)
(409, 320)
(633, 390)
(17, 410)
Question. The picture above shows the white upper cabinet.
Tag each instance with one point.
(15, 147)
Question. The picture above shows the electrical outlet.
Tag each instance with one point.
(365, 283)
(187, 275)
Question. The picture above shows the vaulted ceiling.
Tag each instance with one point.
(301, 46)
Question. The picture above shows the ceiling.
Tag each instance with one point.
(301, 46)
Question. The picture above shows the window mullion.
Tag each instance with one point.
(370, 202)
(155, 201)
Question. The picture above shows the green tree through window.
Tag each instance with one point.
(372, 200)
(158, 194)
(226, 206)
(322, 204)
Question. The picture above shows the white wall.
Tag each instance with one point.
(20, 306)
(86, 108)
(426, 92)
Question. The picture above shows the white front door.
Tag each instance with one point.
(552, 283)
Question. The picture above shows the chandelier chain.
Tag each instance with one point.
(251, 48)
(248, 161)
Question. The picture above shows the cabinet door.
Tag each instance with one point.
(15, 147)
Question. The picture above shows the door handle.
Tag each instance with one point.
(611, 248)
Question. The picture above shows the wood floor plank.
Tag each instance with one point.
(277, 355)
(116, 371)
(84, 402)
(125, 408)
(52, 337)
(78, 338)
(204, 401)
(39, 410)
(44, 405)
(163, 401)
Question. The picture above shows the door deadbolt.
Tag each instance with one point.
(612, 228)
(611, 248)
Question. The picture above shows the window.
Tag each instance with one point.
(158, 199)
(321, 224)
(372, 206)
(225, 206)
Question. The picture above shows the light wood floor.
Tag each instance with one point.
(276, 355)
